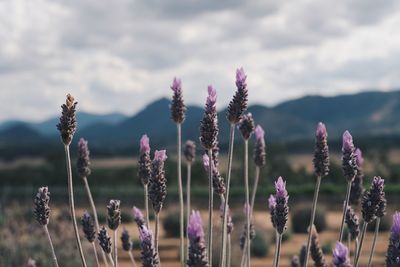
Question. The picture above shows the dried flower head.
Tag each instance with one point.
(246, 125)
(149, 256)
(295, 262)
(197, 256)
(372, 199)
(321, 153)
(259, 148)
(144, 164)
(178, 108)
(31, 263)
(104, 240)
(67, 124)
(341, 256)
(114, 214)
(349, 165)
(393, 251)
(357, 187)
(190, 151)
(88, 227)
(281, 210)
(352, 222)
(209, 123)
(83, 162)
(42, 209)
(316, 252)
(238, 104)
(126, 240)
(218, 180)
(158, 182)
(138, 217)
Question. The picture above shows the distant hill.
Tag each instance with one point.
(364, 114)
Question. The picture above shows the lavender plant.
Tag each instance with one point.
(208, 138)
(248, 234)
(316, 252)
(84, 170)
(105, 243)
(114, 220)
(157, 189)
(295, 261)
(393, 251)
(229, 229)
(149, 255)
(67, 128)
(42, 215)
(237, 106)
(138, 217)
(144, 171)
(127, 245)
(190, 154)
(321, 169)
(341, 256)
(357, 188)
(353, 226)
(90, 233)
(197, 256)
(178, 110)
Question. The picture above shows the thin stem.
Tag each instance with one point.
(95, 254)
(346, 203)
(358, 253)
(246, 185)
(314, 208)
(51, 245)
(254, 191)
(276, 241)
(94, 211)
(72, 205)
(228, 182)
(210, 206)
(156, 232)
(111, 259)
(355, 249)
(228, 254)
(146, 203)
(132, 258)
(278, 250)
(188, 204)
(378, 221)
(181, 216)
(115, 248)
(349, 242)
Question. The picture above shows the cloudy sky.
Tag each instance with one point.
(120, 55)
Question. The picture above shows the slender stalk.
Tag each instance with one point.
(181, 216)
(95, 254)
(111, 259)
(228, 254)
(210, 206)
(276, 241)
(378, 221)
(346, 203)
(188, 204)
(132, 258)
(72, 205)
(156, 232)
(314, 208)
(349, 243)
(146, 203)
(51, 245)
(278, 250)
(94, 211)
(358, 253)
(115, 248)
(228, 182)
(355, 249)
(246, 185)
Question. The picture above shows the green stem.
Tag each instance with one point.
(378, 221)
(115, 248)
(53, 253)
(278, 250)
(210, 206)
(181, 214)
(72, 205)
(188, 204)
(95, 254)
(132, 258)
(228, 254)
(314, 208)
(346, 203)
(246, 185)
(111, 259)
(156, 232)
(228, 182)
(364, 229)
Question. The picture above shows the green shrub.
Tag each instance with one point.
(301, 220)
(259, 246)
(285, 237)
(171, 224)
(327, 248)
(383, 226)
(126, 217)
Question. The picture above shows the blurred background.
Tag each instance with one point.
(306, 61)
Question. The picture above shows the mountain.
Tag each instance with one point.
(364, 114)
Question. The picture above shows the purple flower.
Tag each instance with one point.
(83, 162)
(149, 256)
(347, 142)
(281, 211)
(206, 162)
(280, 187)
(42, 208)
(259, 148)
(160, 155)
(195, 227)
(114, 214)
(241, 79)
(238, 104)
(138, 217)
(359, 157)
(176, 85)
(104, 240)
(393, 252)
(209, 123)
(321, 154)
(341, 256)
(178, 108)
(372, 199)
(246, 126)
(31, 263)
(349, 165)
(144, 144)
(211, 97)
(218, 180)
(357, 188)
(259, 131)
(197, 250)
(271, 206)
(67, 124)
(88, 227)
(158, 182)
(190, 151)
(126, 240)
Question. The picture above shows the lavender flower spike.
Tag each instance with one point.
(149, 256)
(42, 209)
(178, 108)
(239, 102)
(126, 240)
(271, 206)
(372, 199)
(352, 223)
(114, 214)
(144, 144)
(348, 158)
(144, 168)
(104, 240)
(357, 188)
(209, 123)
(321, 154)
(138, 217)
(230, 225)
(83, 162)
(158, 182)
(393, 251)
(67, 124)
(246, 125)
(259, 148)
(281, 211)
(217, 179)
(190, 151)
(341, 256)
(197, 256)
(88, 227)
